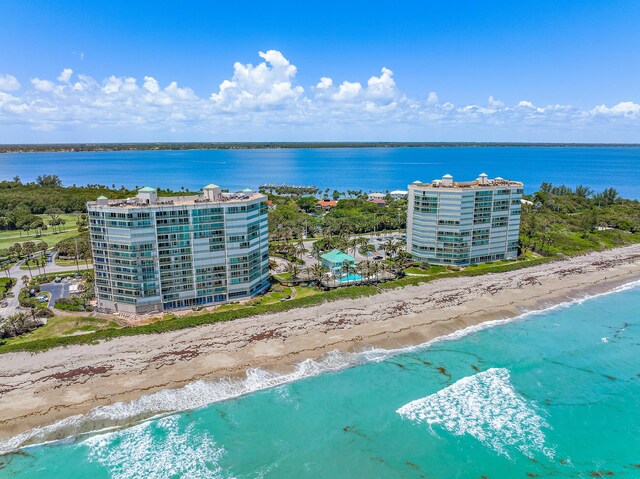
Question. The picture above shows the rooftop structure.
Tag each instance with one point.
(148, 197)
(482, 181)
(399, 194)
(326, 204)
(158, 253)
(462, 223)
(336, 259)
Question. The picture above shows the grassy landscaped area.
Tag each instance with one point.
(69, 230)
(305, 297)
(62, 326)
(416, 270)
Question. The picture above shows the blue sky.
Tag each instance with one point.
(456, 70)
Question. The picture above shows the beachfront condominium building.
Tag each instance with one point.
(462, 223)
(158, 253)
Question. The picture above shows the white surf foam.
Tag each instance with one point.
(486, 407)
(156, 451)
(202, 393)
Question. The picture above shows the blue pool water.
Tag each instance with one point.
(350, 277)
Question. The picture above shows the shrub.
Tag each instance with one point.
(18, 324)
(73, 304)
(43, 313)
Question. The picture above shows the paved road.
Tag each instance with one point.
(17, 273)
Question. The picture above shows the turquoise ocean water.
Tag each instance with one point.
(551, 394)
(369, 169)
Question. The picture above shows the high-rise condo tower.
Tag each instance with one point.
(462, 223)
(156, 253)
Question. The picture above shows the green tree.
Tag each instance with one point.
(82, 222)
(28, 248)
(48, 180)
(307, 203)
(583, 191)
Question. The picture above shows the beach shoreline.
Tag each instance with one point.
(37, 389)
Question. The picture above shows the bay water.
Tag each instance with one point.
(367, 169)
(548, 394)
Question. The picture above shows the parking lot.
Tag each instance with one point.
(57, 290)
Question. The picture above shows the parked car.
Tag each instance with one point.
(42, 298)
(58, 279)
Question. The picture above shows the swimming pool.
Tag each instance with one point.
(351, 277)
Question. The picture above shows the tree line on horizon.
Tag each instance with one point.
(75, 147)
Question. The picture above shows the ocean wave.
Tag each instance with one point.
(486, 407)
(156, 450)
(204, 392)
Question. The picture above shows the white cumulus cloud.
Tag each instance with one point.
(622, 108)
(494, 103)
(269, 83)
(43, 85)
(9, 83)
(264, 101)
(324, 83)
(65, 75)
(383, 86)
(347, 91)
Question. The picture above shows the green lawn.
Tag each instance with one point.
(425, 272)
(282, 276)
(8, 238)
(274, 297)
(70, 262)
(302, 292)
(61, 326)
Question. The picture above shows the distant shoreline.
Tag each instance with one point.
(170, 146)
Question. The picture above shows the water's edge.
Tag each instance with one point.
(205, 392)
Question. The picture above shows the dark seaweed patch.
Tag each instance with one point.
(7, 457)
(401, 366)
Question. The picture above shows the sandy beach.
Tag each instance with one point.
(38, 389)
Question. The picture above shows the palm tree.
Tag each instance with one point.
(317, 250)
(28, 249)
(389, 248)
(299, 248)
(318, 272)
(364, 268)
(375, 269)
(294, 269)
(348, 269)
(5, 268)
(353, 245)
